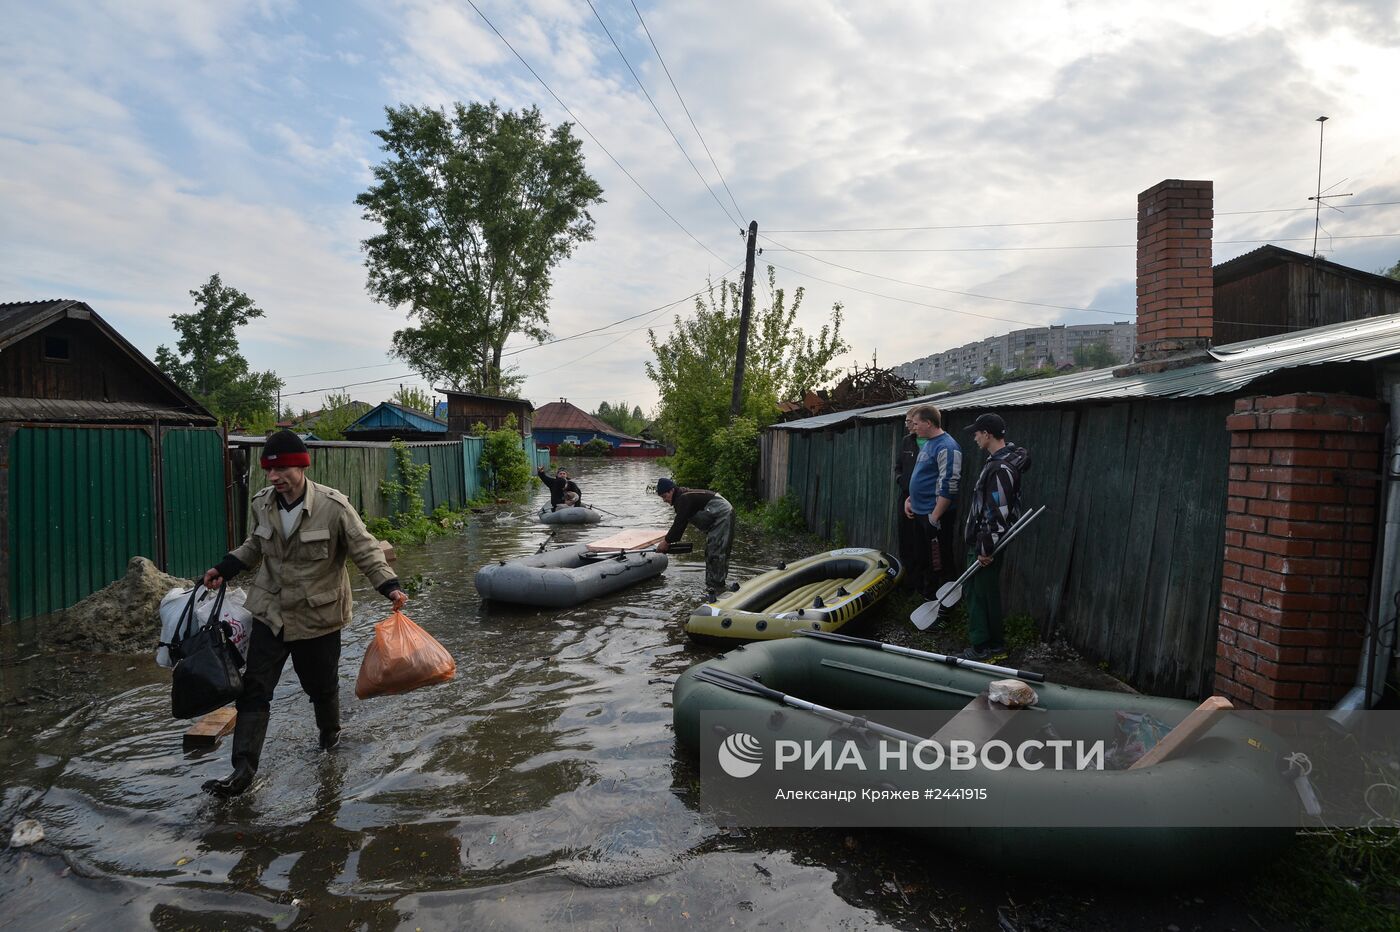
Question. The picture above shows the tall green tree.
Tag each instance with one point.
(1392, 272)
(1094, 356)
(694, 369)
(477, 207)
(413, 397)
(206, 361)
(338, 413)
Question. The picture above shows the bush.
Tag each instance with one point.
(736, 460)
(504, 461)
(597, 447)
(567, 449)
(781, 517)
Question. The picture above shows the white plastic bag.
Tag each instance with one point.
(172, 606)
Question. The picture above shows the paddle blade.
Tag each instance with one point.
(949, 593)
(925, 615)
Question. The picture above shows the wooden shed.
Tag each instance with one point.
(1273, 290)
(102, 458)
(464, 409)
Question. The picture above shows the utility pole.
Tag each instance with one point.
(736, 400)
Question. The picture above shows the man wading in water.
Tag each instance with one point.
(711, 513)
(301, 534)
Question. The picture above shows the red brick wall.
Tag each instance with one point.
(1175, 284)
(1299, 538)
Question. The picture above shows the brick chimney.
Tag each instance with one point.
(1175, 284)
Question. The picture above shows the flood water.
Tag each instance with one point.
(540, 787)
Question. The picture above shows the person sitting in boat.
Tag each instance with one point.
(709, 512)
(563, 491)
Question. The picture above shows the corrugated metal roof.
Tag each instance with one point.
(390, 416)
(82, 411)
(1230, 368)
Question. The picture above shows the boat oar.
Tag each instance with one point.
(618, 554)
(603, 510)
(948, 595)
(992, 668)
(743, 684)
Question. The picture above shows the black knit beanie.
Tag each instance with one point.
(285, 448)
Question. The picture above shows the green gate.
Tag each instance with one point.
(193, 500)
(81, 504)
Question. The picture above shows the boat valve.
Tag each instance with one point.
(1299, 767)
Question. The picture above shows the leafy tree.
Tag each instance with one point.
(207, 363)
(736, 460)
(339, 413)
(413, 397)
(1392, 272)
(628, 420)
(995, 374)
(1094, 356)
(477, 207)
(503, 459)
(694, 369)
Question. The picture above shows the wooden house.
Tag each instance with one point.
(465, 409)
(102, 458)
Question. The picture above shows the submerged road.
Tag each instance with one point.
(540, 786)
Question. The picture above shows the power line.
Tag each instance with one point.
(966, 294)
(1219, 242)
(623, 320)
(936, 307)
(687, 111)
(1039, 223)
(674, 137)
(595, 139)
(381, 365)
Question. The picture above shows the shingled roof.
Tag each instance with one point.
(560, 415)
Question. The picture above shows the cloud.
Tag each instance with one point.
(148, 144)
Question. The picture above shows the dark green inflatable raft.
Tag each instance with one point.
(1232, 768)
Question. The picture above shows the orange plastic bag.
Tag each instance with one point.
(402, 658)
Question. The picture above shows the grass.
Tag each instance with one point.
(1337, 879)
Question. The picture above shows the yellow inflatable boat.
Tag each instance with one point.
(821, 592)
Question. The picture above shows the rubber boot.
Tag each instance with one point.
(328, 721)
(248, 737)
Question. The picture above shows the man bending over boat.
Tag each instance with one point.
(710, 512)
(563, 491)
(996, 504)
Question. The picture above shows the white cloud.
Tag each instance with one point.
(149, 144)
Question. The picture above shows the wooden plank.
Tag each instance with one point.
(979, 722)
(206, 732)
(1186, 733)
(628, 540)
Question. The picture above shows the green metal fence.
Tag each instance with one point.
(80, 504)
(193, 504)
(358, 469)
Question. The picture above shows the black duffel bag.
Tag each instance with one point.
(206, 675)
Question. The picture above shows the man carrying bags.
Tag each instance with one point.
(300, 535)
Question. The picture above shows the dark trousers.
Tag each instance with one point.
(914, 551)
(317, 664)
(939, 545)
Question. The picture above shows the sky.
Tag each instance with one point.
(148, 144)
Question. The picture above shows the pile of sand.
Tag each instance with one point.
(123, 618)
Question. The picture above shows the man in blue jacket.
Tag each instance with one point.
(933, 492)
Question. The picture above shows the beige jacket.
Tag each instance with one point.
(302, 587)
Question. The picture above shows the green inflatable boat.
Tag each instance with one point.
(818, 593)
(1233, 768)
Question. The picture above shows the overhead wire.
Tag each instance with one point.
(1037, 223)
(1219, 242)
(967, 294)
(681, 98)
(662, 117)
(595, 139)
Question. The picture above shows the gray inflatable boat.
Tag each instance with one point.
(572, 514)
(567, 576)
